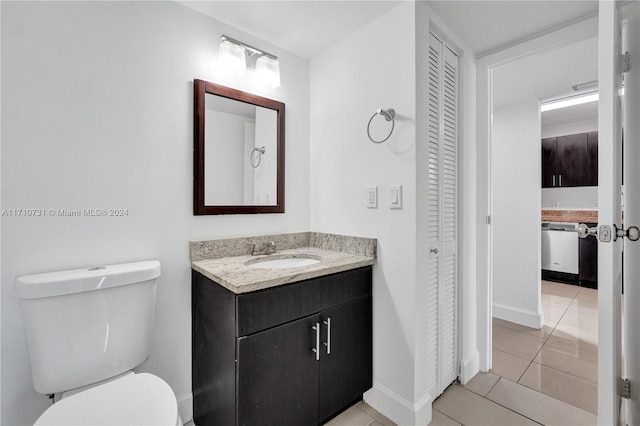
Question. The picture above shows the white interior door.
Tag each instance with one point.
(442, 212)
(630, 21)
(609, 206)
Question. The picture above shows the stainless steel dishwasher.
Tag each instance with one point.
(560, 247)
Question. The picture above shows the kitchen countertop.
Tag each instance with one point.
(570, 215)
(234, 274)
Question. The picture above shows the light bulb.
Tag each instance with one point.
(232, 58)
(268, 70)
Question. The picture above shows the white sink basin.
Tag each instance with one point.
(291, 262)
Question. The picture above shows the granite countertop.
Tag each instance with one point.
(234, 274)
(225, 261)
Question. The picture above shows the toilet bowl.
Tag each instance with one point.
(134, 399)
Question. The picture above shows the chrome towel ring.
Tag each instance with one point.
(256, 156)
(389, 115)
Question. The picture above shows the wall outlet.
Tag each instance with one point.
(372, 197)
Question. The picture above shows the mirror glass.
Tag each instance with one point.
(239, 151)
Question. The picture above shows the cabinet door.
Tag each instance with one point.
(549, 159)
(588, 270)
(278, 376)
(592, 150)
(573, 160)
(346, 366)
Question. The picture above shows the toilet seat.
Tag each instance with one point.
(134, 399)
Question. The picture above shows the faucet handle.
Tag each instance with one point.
(254, 250)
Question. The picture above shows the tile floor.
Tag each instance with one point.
(546, 376)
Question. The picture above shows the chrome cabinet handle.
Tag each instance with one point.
(317, 348)
(554, 181)
(328, 342)
(559, 180)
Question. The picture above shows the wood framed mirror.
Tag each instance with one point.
(238, 151)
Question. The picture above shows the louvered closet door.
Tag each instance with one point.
(442, 211)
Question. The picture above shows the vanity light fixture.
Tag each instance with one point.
(569, 101)
(237, 57)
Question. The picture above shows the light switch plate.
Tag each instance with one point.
(372, 197)
(395, 196)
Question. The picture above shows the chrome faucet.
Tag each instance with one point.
(267, 248)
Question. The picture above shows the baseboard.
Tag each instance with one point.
(398, 409)
(469, 367)
(185, 407)
(519, 316)
(560, 277)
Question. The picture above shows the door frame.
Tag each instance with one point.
(572, 33)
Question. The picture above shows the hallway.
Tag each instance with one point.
(546, 376)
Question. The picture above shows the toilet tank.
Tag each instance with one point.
(87, 325)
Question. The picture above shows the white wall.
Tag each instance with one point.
(378, 71)
(579, 197)
(97, 112)
(515, 162)
(375, 71)
(222, 157)
(265, 177)
(569, 128)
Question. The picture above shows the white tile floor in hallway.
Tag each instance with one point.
(546, 376)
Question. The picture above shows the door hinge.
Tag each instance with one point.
(625, 388)
(488, 220)
(626, 62)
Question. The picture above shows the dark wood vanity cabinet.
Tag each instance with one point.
(295, 354)
(570, 160)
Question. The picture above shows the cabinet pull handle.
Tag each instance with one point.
(328, 342)
(317, 348)
(559, 180)
(554, 181)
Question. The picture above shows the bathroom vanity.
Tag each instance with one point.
(282, 346)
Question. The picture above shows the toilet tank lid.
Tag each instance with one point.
(86, 279)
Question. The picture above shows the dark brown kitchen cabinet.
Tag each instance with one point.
(549, 162)
(570, 160)
(295, 354)
(588, 260)
(592, 149)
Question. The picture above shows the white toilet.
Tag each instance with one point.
(86, 329)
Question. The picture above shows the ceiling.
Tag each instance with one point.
(488, 26)
(307, 27)
(302, 27)
(546, 75)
